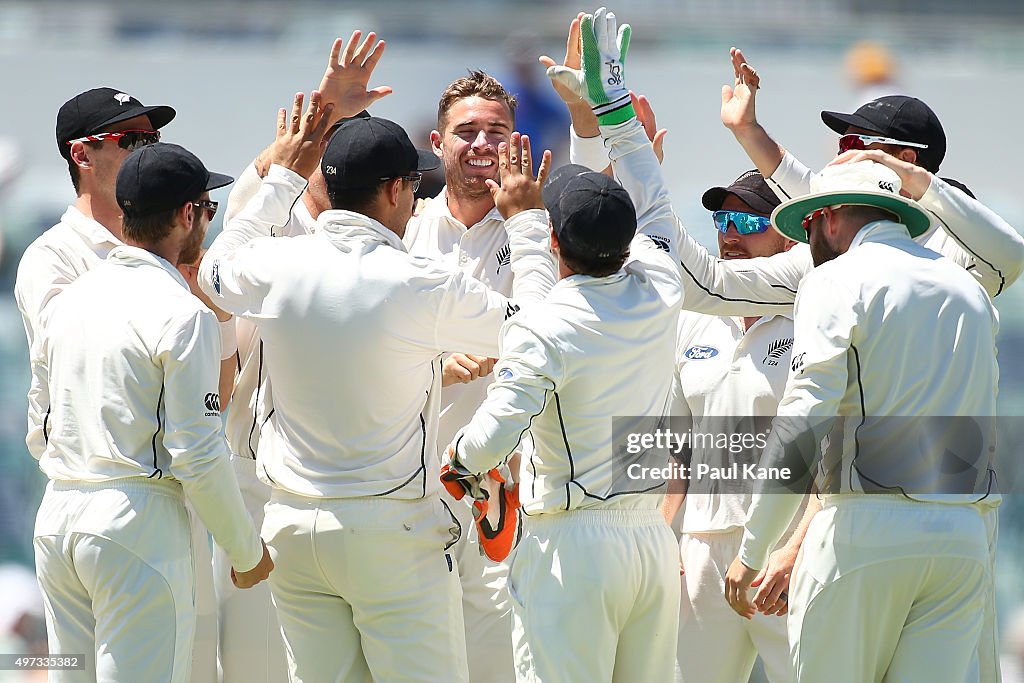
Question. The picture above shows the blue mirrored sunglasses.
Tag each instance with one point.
(746, 223)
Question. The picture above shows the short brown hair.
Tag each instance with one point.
(476, 84)
(150, 228)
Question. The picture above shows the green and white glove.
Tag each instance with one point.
(601, 82)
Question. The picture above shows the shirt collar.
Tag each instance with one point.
(438, 207)
(127, 255)
(92, 231)
(880, 231)
(341, 223)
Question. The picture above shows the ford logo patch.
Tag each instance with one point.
(701, 352)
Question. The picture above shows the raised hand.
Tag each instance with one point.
(914, 179)
(297, 146)
(519, 189)
(601, 79)
(347, 75)
(738, 101)
(573, 56)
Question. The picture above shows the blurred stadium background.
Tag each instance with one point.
(226, 66)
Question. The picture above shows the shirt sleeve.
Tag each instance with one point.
(824, 322)
(233, 272)
(529, 369)
(530, 257)
(741, 287)
(188, 353)
(589, 152)
(637, 168)
(791, 178)
(38, 401)
(974, 236)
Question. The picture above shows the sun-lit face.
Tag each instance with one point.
(468, 145)
(732, 245)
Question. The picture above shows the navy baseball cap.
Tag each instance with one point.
(92, 111)
(900, 117)
(593, 215)
(750, 187)
(366, 150)
(161, 177)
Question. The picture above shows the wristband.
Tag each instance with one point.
(228, 338)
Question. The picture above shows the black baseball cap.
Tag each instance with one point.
(364, 151)
(593, 215)
(750, 187)
(92, 111)
(900, 117)
(161, 177)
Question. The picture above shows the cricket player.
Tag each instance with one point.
(131, 429)
(95, 131)
(593, 581)
(729, 370)
(348, 310)
(900, 548)
(462, 228)
(251, 646)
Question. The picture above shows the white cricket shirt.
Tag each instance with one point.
(481, 251)
(726, 372)
(886, 329)
(54, 260)
(129, 363)
(594, 349)
(353, 328)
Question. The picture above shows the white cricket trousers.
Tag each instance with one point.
(595, 597)
(486, 608)
(251, 647)
(114, 561)
(716, 645)
(204, 642)
(986, 666)
(888, 589)
(364, 589)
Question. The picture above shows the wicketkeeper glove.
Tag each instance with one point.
(497, 540)
(601, 82)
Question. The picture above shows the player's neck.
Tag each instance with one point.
(104, 212)
(469, 210)
(748, 322)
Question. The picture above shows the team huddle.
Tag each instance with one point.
(418, 477)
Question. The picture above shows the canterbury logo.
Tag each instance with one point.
(887, 186)
(212, 402)
(660, 242)
(616, 72)
(510, 310)
(504, 257)
(776, 350)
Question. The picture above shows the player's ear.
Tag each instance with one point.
(394, 190)
(435, 142)
(80, 155)
(908, 154)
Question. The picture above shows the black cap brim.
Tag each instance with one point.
(426, 161)
(218, 180)
(715, 197)
(840, 122)
(159, 116)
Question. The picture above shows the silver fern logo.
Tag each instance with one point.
(504, 257)
(776, 350)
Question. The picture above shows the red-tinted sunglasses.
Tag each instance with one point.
(858, 141)
(126, 139)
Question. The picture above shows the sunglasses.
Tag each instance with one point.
(130, 140)
(858, 141)
(746, 223)
(415, 178)
(210, 206)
